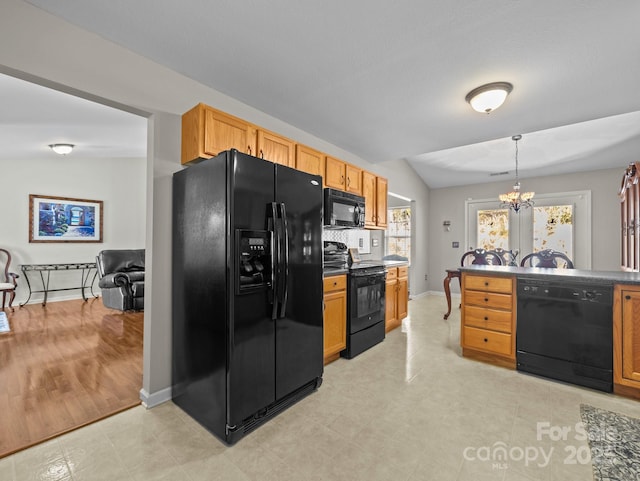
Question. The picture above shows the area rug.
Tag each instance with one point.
(4, 322)
(614, 440)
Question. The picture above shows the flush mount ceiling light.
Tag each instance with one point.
(62, 149)
(489, 97)
(515, 200)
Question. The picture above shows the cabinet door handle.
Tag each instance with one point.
(261, 154)
(627, 297)
(249, 149)
(342, 179)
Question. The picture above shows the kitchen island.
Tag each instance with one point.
(489, 316)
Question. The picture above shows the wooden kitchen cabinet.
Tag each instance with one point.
(206, 132)
(488, 318)
(335, 317)
(626, 340)
(354, 179)
(396, 297)
(275, 148)
(335, 173)
(375, 190)
(343, 176)
(403, 292)
(391, 320)
(310, 160)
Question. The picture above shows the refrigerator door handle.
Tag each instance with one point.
(285, 264)
(275, 258)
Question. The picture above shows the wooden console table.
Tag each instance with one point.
(84, 267)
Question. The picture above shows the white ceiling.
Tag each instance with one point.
(33, 116)
(387, 80)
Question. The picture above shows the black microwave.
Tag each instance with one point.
(343, 209)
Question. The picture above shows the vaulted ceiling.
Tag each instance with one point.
(387, 80)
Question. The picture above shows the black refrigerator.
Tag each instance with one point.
(247, 338)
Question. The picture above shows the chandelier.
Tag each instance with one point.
(515, 199)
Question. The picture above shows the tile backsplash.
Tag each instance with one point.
(360, 238)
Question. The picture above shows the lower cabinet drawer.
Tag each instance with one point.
(489, 341)
(488, 299)
(487, 318)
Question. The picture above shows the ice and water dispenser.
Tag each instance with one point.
(254, 259)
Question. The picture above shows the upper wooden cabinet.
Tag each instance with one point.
(374, 190)
(381, 202)
(354, 179)
(275, 148)
(309, 160)
(335, 173)
(343, 176)
(206, 132)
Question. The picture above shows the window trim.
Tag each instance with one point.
(583, 223)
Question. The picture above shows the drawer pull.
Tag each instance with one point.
(486, 283)
(486, 318)
(486, 340)
(335, 283)
(486, 299)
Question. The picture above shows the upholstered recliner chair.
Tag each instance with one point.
(121, 273)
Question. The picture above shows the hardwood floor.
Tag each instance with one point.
(65, 365)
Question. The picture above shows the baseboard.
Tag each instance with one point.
(156, 398)
(55, 298)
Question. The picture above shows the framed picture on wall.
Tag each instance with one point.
(64, 219)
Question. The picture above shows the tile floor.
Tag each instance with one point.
(409, 409)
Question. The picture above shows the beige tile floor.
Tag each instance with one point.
(409, 409)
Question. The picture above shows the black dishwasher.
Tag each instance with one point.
(565, 331)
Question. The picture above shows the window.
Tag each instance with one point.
(553, 228)
(561, 222)
(493, 229)
(398, 233)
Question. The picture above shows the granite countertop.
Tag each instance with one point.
(578, 275)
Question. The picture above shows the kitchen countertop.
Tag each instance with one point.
(577, 275)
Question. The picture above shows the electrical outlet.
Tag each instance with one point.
(425, 277)
(455, 245)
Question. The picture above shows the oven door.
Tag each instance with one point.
(366, 301)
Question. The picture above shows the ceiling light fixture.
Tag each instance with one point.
(489, 97)
(62, 149)
(515, 199)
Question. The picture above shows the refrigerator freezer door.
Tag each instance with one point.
(299, 327)
(251, 366)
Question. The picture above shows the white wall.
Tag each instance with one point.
(119, 183)
(449, 204)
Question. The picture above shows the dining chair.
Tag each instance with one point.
(481, 257)
(508, 257)
(8, 282)
(547, 258)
